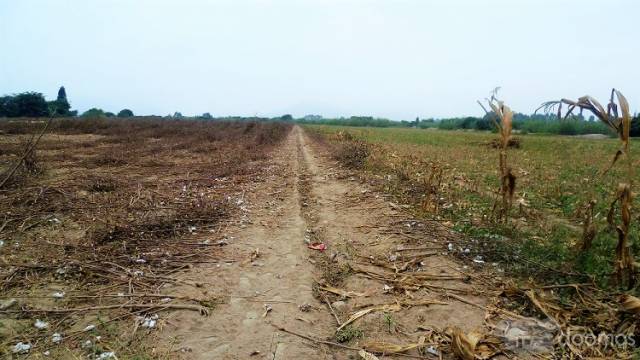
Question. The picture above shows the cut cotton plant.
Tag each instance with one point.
(502, 118)
(618, 118)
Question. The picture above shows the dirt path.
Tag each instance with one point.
(304, 196)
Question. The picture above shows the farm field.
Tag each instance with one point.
(453, 176)
(104, 214)
(163, 239)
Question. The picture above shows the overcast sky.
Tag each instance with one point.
(387, 58)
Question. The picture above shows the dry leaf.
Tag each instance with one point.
(630, 304)
(358, 314)
(464, 346)
(381, 347)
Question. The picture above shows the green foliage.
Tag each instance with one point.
(557, 176)
(536, 123)
(354, 121)
(125, 113)
(635, 126)
(389, 322)
(94, 112)
(27, 104)
(33, 104)
(206, 116)
(177, 115)
(348, 333)
(286, 117)
(61, 106)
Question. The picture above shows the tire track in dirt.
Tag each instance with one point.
(364, 231)
(305, 196)
(272, 270)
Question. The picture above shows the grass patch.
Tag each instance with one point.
(348, 333)
(452, 176)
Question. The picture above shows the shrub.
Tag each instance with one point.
(93, 112)
(125, 113)
(352, 154)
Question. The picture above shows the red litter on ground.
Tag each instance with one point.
(317, 246)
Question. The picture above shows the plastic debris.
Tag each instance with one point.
(90, 327)
(56, 338)
(39, 324)
(433, 351)
(87, 344)
(317, 246)
(138, 273)
(478, 260)
(267, 309)
(21, 348)
(1, 243)
(387, 288)
(150, 321)
(46, 353)
(141, 261)
(450, 247)
(58, 295)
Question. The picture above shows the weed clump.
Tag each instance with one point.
(348, 333)
(352, 154)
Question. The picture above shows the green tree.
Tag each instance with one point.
(177, 114)
(7, 106)
(109, 114)
(635, 126)
(93, 112)
(286, 117)
(61, 106)
(206, 116)
(27, 104)
(125, 113)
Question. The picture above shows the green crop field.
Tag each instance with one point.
(556, 177)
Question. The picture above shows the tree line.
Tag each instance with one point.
(522, 123)
(34, 104)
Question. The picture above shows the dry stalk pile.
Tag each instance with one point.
(120, 210)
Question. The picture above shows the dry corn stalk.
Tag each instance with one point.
(502, 118)
(473, 345)
(358, 314)
(381, 347)
(621, 124)
(367, 356)
(588, 227)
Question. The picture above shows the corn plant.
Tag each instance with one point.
(618, 118)
(502, 118)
